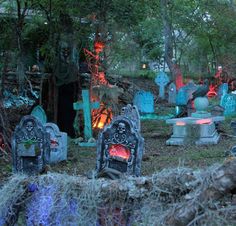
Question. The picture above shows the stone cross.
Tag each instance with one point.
(172, 93)
(86, 106)
(162, 80)
(40, 114)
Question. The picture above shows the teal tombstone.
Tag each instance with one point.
(228, 102)
(86, 106)
(40, 114)
(162, 80)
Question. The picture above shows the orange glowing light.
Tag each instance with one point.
(180, 123)
(98, 47)
(118, 150)
(204, 121)
(212, 91)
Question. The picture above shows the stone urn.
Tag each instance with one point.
(201, 104)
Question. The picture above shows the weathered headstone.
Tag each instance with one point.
(86, 106)
(172, 93)
(182, 97)
(40, 114)
(132, 113)
(223, 89)
(30, 146)
(144, 101)
(58, 143)
(120, 148)
(162, 80)
(233, 126)
(190, 88)
(228, 102)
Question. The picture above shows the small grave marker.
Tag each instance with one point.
(228, 102)
(58, 143)
(40, 114)
(223, 89)
(172, 93)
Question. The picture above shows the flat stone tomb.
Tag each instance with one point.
(200, 131)
(58, 143)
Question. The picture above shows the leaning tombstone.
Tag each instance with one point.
(58, 143)
(144, 101)
(30, 146)
(119, 148)
(172, 93)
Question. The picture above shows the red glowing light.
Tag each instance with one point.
(212, 91)
(98, 47)
(118, 150)
(180, 123)
(204, 121)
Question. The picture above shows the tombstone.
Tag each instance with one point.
(223, 89)
(233, 127)
(228, 102)
(58, 143)
(144, 101)
(87, 107)
(172, 93)
(30, 146)
(132, 113)
(40, 114)
(182, 97)
(120, 147)
(190, 88)
(162, 80)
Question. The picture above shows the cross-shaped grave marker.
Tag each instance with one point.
(162, 80)
(86, 106)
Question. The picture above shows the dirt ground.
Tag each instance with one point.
(157, 154)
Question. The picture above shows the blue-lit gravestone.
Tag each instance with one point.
(228, 102)
(162, 80)
(182, 97)
(144, 102)
(190, 88)
(40, 114)
(223, 89)
(172, 93)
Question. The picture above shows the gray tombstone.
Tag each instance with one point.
(144, 101)
(120, 147)
(132, 113)
(228, 102)
(30, 146)
(190, 88)
(172, 93)
(58, 143)
(162, 80)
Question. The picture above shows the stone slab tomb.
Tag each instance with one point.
(200, 131)
(30, 146)
(58, 143)
(120, 145)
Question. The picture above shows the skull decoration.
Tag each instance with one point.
(29, 126)
(121, 128)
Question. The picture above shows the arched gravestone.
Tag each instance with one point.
(228, 102)
(30, 146)
(222, 90)
(120, 147)
(172, 93)
(58, 143)
(40, 114)
(182, 97)
(144, 101)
